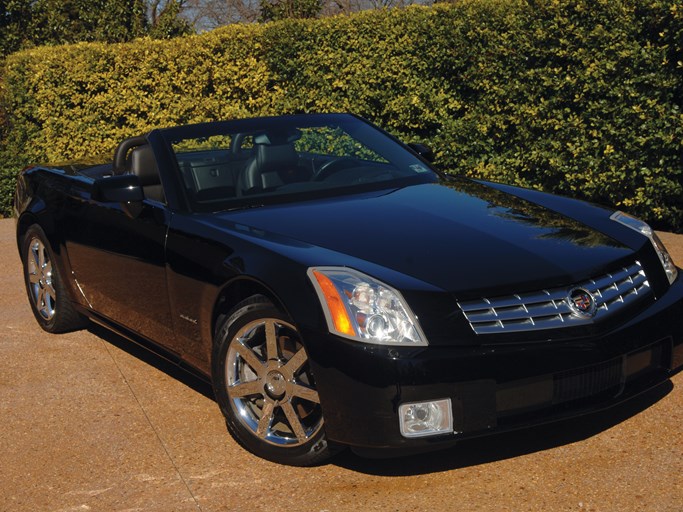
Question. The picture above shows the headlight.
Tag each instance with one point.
(361, 308)
(643, 228)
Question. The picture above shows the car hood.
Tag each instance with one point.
(463, 238)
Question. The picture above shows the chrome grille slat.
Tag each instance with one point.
(639, 278)
(548, 309)
(521, 313)
(642, 288)
(610, 295)
(524, 299)
(503, 315)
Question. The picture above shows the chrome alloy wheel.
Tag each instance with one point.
(269, 384)
(39, 272)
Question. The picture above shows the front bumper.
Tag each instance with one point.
(492, 387)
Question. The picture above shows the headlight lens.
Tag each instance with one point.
(361, 308)
(643, 228)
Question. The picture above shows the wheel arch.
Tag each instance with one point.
(23, 224)
(47, 225)
(237, 290)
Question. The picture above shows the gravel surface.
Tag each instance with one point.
(90, 422)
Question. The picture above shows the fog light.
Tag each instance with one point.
(426, 418)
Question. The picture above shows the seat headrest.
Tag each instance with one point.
(275, 158)
(278, 138)
(142, 163)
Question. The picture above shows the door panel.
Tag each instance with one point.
(120, 265)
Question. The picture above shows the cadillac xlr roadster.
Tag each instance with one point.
(337, 290)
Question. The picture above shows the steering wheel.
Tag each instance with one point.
(333, 166)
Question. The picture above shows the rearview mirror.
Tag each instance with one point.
(423, 150)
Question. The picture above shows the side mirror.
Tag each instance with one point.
(422, 150)
(124, 189)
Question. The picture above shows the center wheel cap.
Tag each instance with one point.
(276, 384)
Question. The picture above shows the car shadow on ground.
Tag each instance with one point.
(155, 359)
(467, 453)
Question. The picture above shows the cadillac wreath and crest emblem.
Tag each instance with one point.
(581, 302)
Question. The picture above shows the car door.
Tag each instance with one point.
(120, 265)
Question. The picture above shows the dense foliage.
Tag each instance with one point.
(29, 23)
(579, 97)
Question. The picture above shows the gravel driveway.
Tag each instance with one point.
(90, 422)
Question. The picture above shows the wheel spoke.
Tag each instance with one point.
(296, 362)
(266, 419)
(50, 290)
(50, 299)
(34, 259)
(33, 277)
(254, 387)
(305, 393)
(294, 421)
(40, 300)
(271, 340)
(41, 257)
(31, 256)
(249, 357)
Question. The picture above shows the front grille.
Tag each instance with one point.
(549, 309)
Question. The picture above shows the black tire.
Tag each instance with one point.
(264, 386)
(47, 295)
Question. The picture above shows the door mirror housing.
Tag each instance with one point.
(124, 189)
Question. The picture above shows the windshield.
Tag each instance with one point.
(257, 161)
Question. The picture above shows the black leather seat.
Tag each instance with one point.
(142, 163)
(272, 165)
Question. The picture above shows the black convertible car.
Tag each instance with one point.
(338, 291)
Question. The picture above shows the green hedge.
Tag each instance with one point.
(579, 97)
